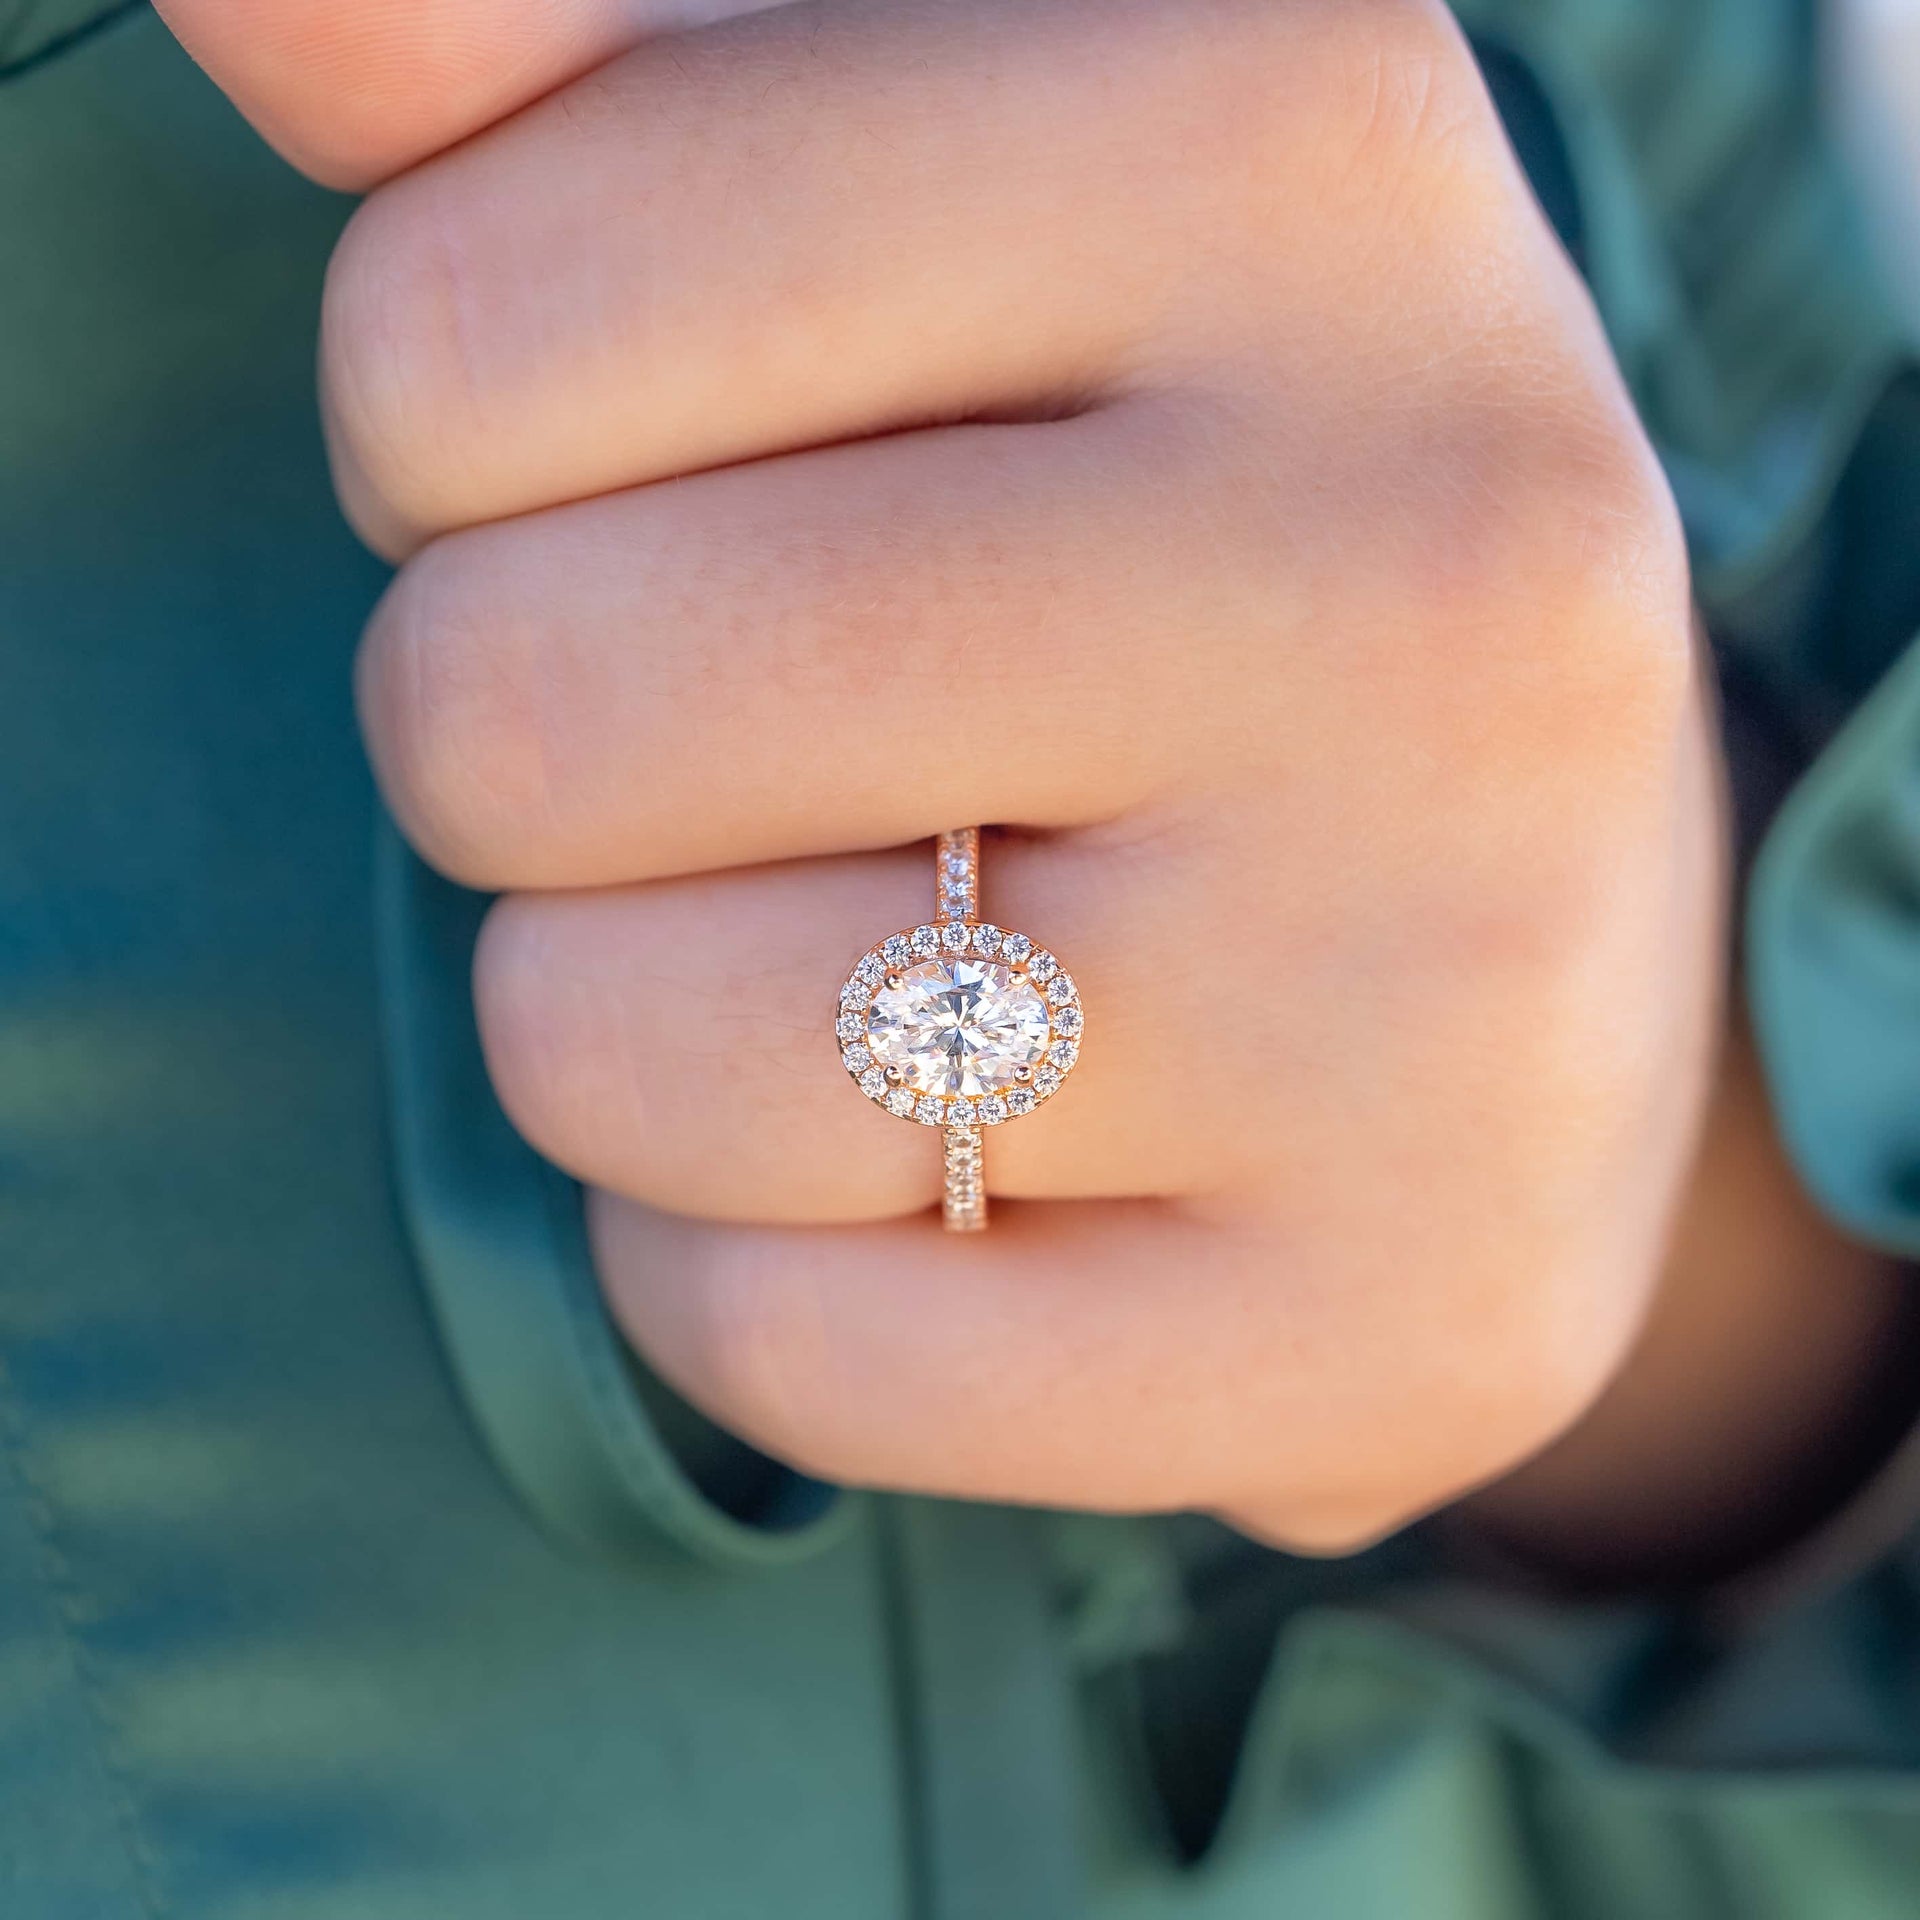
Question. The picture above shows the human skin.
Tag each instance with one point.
(1170, 432)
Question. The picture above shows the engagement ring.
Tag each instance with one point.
(959, 1024)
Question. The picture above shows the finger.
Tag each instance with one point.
(353, 91)
(850, 648)
(895, 1355)
(901, 1356)
(1128, 1356)
(822, 223)
(676, 1042)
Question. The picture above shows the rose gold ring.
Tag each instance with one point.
(959, 1024)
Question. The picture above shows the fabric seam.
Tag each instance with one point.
(62, 1587)
(64, 43)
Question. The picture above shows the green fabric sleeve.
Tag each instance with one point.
(566, 1409)
(277, 1640)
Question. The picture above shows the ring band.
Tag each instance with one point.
(956, 892)
(959, 1024)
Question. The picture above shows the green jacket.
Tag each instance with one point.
(349, 1567)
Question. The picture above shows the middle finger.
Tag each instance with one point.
(846, 649)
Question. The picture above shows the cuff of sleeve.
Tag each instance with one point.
(1833, 968)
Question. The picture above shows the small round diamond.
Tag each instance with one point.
(871, 970)
(929, 1112)
(873, 1083)
(1020, 1100)
(1060, 989)
(992, 1110)
(1046, 1080)
(855, 993)
(1042, 967)
(955, 935)
(900, 1101)
(987, 940)
(926, 941)
(1065, 1054)
(1067, 1021)
(856, 1059)
(1015, 948)
(896, 950)
(960, 1113)
(958, 866)
(848, 1028)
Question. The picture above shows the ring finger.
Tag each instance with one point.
(673, 1041)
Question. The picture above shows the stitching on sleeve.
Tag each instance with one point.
(21, 53)
(63, 1590)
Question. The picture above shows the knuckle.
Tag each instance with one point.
(1552, 570)
(578, 1061)
(452, 720)
(573, 1068)
(1612, 558)
(530, 1029)
(1403, 94)
(395, 381)
(753, 1351)
(1319, 105)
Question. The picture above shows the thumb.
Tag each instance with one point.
(352, 91)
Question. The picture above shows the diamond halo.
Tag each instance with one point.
(957, 1027)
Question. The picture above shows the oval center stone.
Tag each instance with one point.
(958, 1026)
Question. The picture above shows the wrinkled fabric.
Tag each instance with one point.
(36, 30)
(351, 1569)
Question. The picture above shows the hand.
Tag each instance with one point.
(1171, 432)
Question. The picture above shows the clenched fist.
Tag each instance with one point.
(1172, 434)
